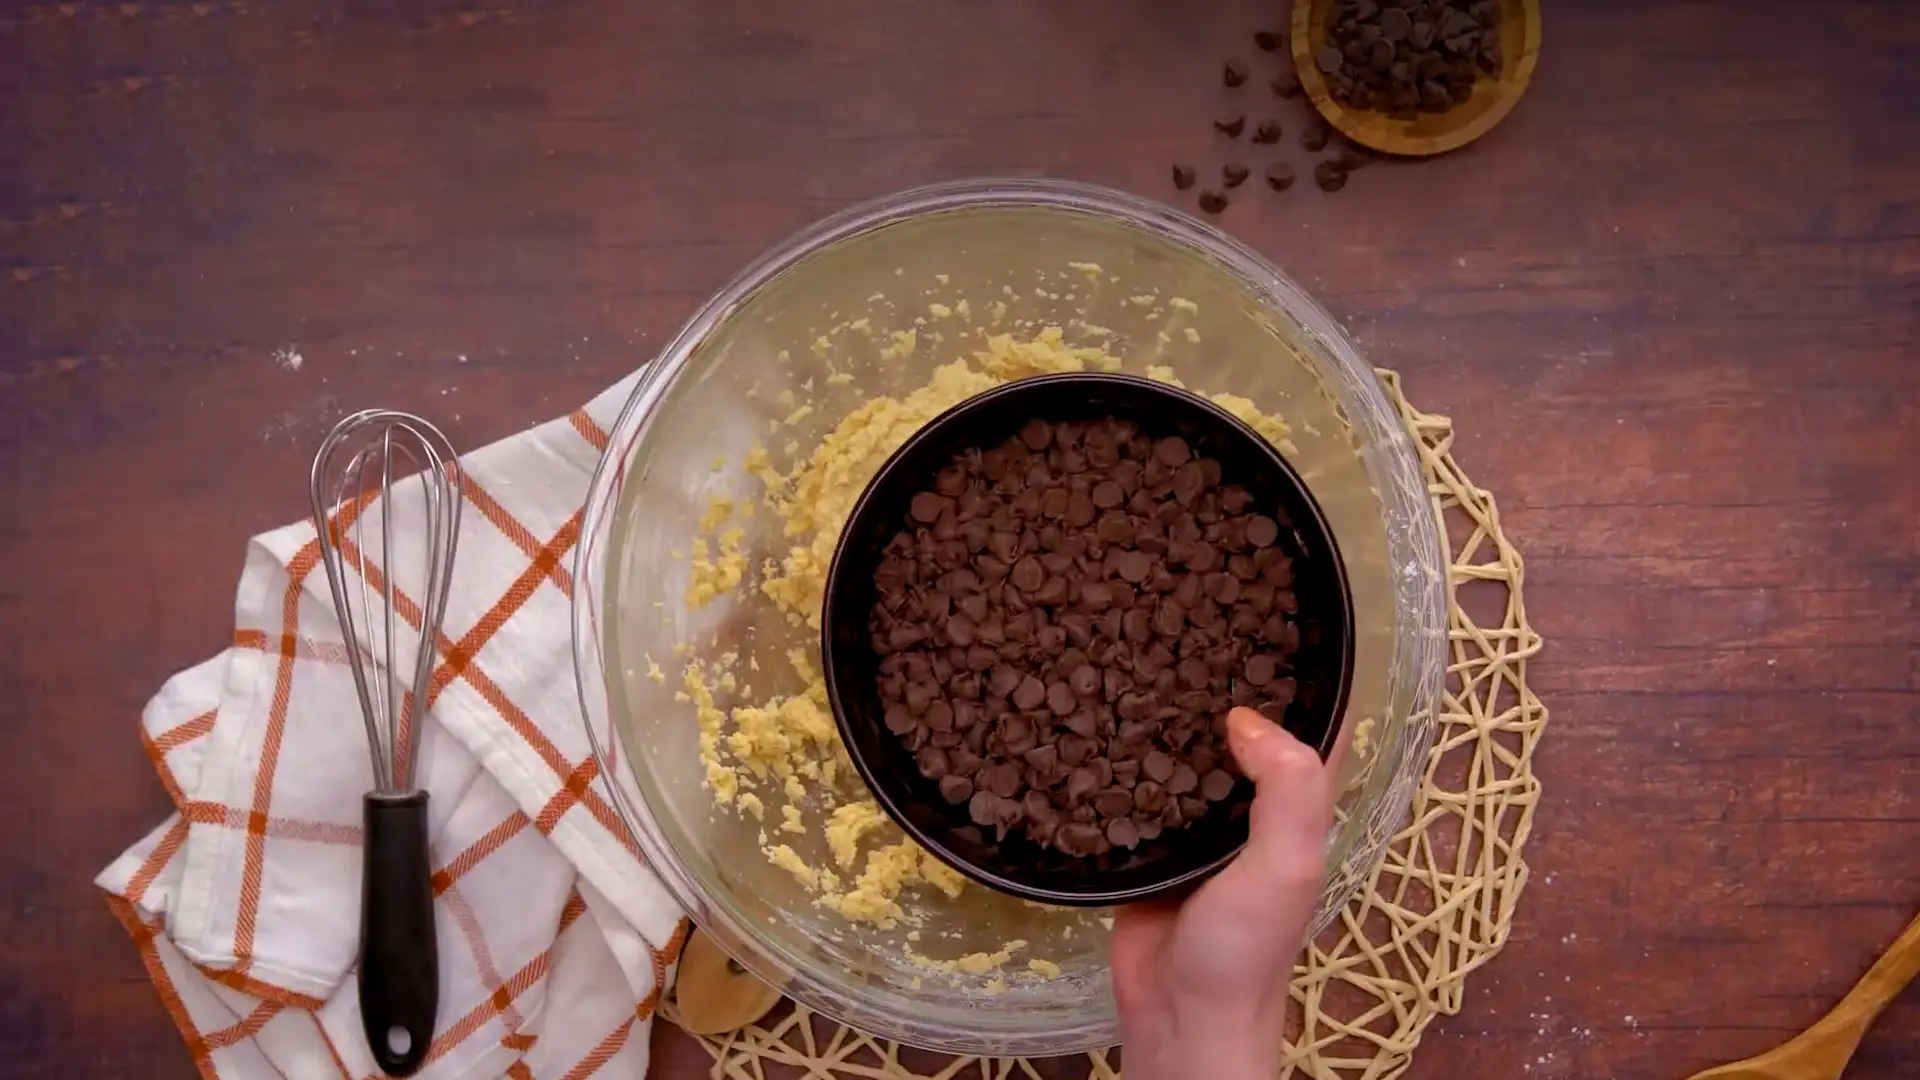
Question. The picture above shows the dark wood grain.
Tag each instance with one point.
(1673, 303)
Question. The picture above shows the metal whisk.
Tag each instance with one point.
(398, 470)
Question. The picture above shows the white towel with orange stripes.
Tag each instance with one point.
(556, 941)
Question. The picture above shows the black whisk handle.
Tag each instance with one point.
(399, 956)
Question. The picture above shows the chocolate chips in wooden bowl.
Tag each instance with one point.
(1415, 77)
(1406, 58)
(1040, 612)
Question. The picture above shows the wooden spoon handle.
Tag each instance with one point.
(1884, 980)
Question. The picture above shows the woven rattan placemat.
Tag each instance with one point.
(1439, 907)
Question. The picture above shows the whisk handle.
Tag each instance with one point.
(399, 956)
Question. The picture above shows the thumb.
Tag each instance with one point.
(1293, 792)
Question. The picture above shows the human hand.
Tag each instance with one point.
(1202, 986)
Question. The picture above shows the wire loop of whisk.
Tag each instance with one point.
(368, 466)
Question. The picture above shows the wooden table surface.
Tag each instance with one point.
(1673, 304)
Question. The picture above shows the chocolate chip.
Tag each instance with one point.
(939, 716)
(1133, 566)
(1231, 126)
(1267, 133)
(1081, 509)
(927, 507)
(1233, 73)
(1081, 839)
(1075, 749)
(1027, 574)
(1316, 135)
(1260, 669)
(1280, 176)
(1232, 175)
(1216, 785)
(982, 806)
(1183, 780)
(1060, 698)
(1262, 531)
(1184, 176)
(1330, 175)
(1037, 435)
(1114, 802)
(1081, 783)
(1002, 779)
(1030, 693)
(1151, 795)
(1213, 202)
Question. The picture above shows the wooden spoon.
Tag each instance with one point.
(714, 994)
(1427, 133)
(1821, 1052)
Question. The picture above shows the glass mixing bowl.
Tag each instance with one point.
(867, 305)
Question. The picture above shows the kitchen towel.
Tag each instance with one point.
(556, 940)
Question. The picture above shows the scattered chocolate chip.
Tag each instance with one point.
(1234, 73)
(1231, 126)
(1280, 176)
(1267, 133)
(1330, 176)
(1316, 135)
(1270, 40)
(1232, 175)
(1213, 202)
(1183, 176)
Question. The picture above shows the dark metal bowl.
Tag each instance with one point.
(1181, 858)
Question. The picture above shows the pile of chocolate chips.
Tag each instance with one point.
(1405, 57)
(1064, 623)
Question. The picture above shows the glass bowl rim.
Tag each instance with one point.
(1164, 223)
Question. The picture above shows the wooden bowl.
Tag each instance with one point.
(1427, 133)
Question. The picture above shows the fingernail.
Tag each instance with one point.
(1248, 725)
